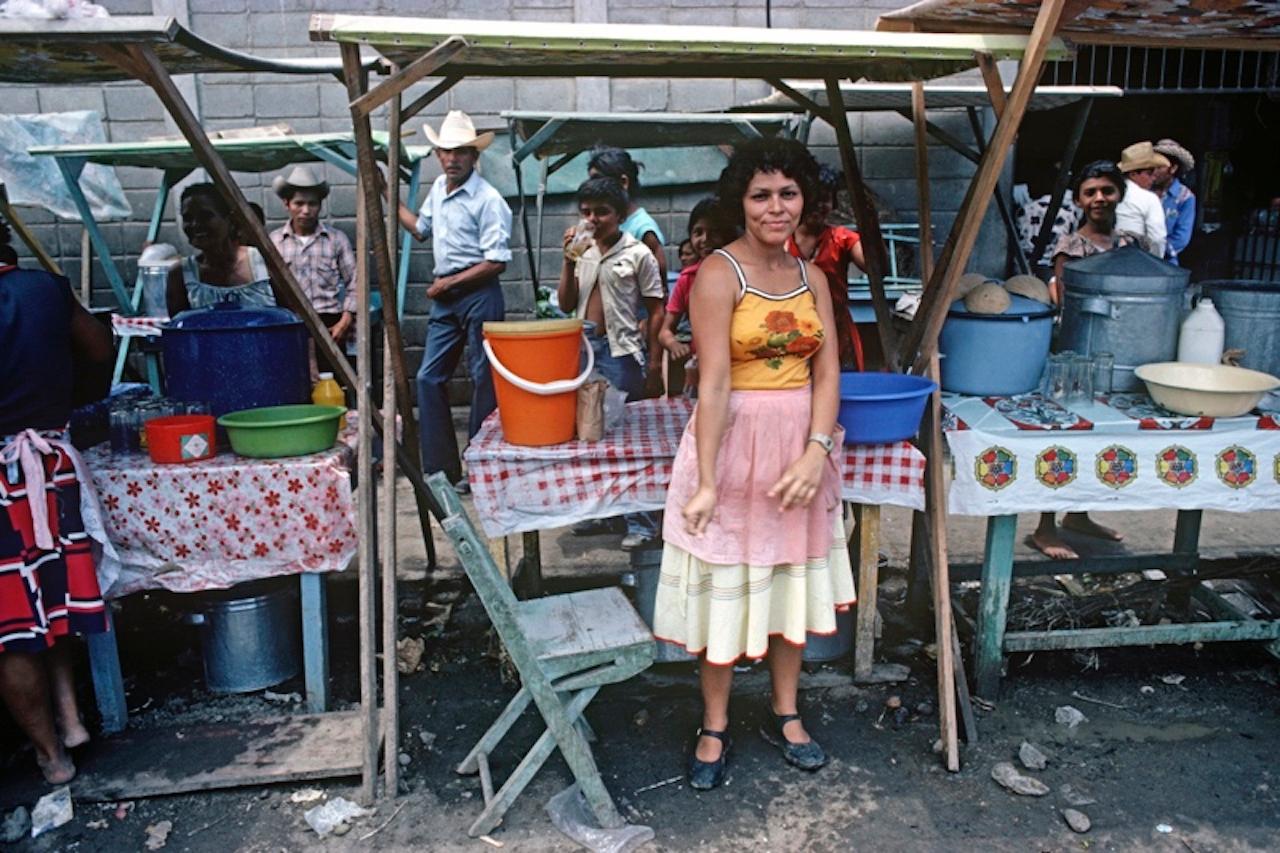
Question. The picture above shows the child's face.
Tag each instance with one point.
(688, 255)
(601, 215)
(700, 238)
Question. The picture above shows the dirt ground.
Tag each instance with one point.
(1176, 755)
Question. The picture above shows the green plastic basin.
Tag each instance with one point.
(275, 431)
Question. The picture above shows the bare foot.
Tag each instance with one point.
(73, 734)
(58, 769)
(1080, 522)
(1048, 542)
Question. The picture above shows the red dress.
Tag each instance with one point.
(832, 254)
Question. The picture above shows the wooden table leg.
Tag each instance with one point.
(997, 575)
(108, 682)
(1186, 542)
(867, 521)
(528, 576)
(315, 640)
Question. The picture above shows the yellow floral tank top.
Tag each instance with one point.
(772, 337)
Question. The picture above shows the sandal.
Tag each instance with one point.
(705, 775)
(807, 756)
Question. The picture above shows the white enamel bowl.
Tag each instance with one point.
(1208, 390)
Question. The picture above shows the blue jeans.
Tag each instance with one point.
(626, 373)
(453, 326)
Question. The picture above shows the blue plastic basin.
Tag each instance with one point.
(881, 408)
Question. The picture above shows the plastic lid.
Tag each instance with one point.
(1020, 307)
(231, 315)
(324, 376)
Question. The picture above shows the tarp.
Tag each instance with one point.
(1234, 24)
(537, 49)
(36, 181)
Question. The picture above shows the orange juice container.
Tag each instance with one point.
(328, 392)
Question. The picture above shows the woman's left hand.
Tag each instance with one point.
(800, 482)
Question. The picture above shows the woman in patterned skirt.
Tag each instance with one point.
(754, 553)
(48, 586)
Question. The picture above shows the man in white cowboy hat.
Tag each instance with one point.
(470, 228)
(320, 257)
(1178, 200)
(1140, 212)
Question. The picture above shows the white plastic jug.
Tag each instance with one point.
(1202, 336)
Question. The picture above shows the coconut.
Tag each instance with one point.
(1030, 287)
(968, 282)
(989, 298)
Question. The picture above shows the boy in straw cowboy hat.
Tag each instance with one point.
(1140, 212)
(1178, 200)
(470, 228)
(319, 256)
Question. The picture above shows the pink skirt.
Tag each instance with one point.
(765, 433)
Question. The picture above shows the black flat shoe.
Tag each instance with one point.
(705, 775)
(807, 756)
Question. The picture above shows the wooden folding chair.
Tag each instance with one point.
(565, 647)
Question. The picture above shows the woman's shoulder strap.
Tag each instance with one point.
(804, 272)
(737, 268)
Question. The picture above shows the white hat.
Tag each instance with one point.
(300, 178)
(457, 131)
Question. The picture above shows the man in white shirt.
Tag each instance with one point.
(1140, 211)
(470, 228)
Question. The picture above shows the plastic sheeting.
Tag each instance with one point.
(36, 181)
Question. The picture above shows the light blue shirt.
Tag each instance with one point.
(467, 226)
(640, 223)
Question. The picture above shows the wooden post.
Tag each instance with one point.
(868, 221)
(867, 519)
(366, 171)
(1060, 182)
(86, 269)
(922, 339)
(922, 180)
(997, 577)
(936, 510)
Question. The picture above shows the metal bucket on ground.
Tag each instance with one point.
(645, 566)
(1250, 308)
(1126, 302)
(250, 635)
(819, 648)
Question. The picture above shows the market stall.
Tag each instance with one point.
(151, 49)
(455, 49)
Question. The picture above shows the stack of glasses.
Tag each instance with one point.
(1070, 377)
(130, 415)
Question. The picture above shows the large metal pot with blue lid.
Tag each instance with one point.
(235, 357)
(995, 355)
(1126, 302)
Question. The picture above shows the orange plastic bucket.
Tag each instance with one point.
(536, 378)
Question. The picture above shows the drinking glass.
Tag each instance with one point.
(123, 430)
(1081, 382)
(198, 408)
(1104, 365)
(1057, 377)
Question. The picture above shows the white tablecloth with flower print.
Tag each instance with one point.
(1115, 452)
(215, 523)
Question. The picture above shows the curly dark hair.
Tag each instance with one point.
(8, 255)
(209, 193)
(615, 163)
(787, 156)
(1104, 169)
(608, 190)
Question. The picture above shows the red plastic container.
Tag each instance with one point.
(181, 438)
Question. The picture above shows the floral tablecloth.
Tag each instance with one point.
(1115, 452)
(518, 489)
(215, 523)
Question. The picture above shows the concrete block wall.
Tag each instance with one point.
(131, 112)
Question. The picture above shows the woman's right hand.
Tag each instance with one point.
(698, 511)
(678, 348)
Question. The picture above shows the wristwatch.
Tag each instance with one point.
(823, 440)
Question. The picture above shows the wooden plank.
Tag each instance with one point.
(922, 179)
(108, 682)
(431, 96)
(208, 756)
(315, 640)
(794, 94)
(1221, 608)
(1110, 564)
(967, 718)
(868, 221)
(936, 511)
(1142, 635)
(922, 340)
(86, 268)
(407, 451)
(991, 78)
(423, 66)
(997, 566)
(867, 521)
(1072, 145)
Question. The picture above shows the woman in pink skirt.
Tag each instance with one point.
(754, 553)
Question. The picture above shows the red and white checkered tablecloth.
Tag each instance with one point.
(138, 327)
(518, 489)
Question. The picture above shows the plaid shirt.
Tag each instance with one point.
(325, 267)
